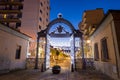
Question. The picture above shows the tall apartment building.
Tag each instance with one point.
(35, 18)
(90, 20)
(27, 16)
(11, 13)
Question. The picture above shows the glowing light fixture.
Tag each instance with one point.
(88, 41)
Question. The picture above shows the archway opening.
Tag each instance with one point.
(60, 45)
(60, 29)
(61, 32)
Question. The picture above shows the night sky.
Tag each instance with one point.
(72, 10)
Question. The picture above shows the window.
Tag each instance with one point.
(40, 19)
(39, 27)
(46, 20)
(104, 49)
(18, 52)
(47, 13)
(47, 7)
(19, 15)
(48, 2)
(5, 16)
(96, 52)
(41, 4)
(41, 11)
(18, 25)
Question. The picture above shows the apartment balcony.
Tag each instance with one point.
(12, 25)
(84, 20)
(86, 37)
(87, 32)
(18, 24)
(12, 7)
(84, 26)
(11, 3)
(11, 0)
(10, 20)
(81, 26)
(10, 11)
(91, 29)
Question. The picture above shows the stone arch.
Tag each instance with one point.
(44, 33)
(60, 20)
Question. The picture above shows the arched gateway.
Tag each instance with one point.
(46, 34)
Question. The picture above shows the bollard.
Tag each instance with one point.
(42, 68)
(72, 69)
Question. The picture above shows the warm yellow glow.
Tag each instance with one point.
(12, 0)
(40, 50)
(5, 16)
(44, 42)
(88, 41)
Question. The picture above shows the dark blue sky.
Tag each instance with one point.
(72, 10)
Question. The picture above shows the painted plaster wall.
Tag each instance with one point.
(8, 46)
(104, 30)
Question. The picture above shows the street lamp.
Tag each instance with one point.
(88, 41)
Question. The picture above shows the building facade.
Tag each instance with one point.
(14, 46)
(90, 20)
(106, 45)
(26, 16)
(11, 13)
(102, 31)
(34, 19)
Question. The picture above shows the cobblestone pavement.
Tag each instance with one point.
(47, 75)
(88, 75)
(22, 75)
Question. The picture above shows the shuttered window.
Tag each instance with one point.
(96, 52)
(104, 50)
(18, 52)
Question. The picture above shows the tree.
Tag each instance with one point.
(57, 53)
(53, 53)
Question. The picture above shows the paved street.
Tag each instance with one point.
(47, 75)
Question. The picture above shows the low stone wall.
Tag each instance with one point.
(30, 63)
(107, 68)
(89, 62)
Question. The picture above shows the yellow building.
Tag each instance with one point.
(90, 21)
(106, 45)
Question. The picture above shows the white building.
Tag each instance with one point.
(14, 46)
